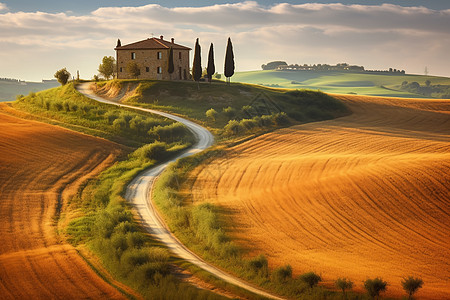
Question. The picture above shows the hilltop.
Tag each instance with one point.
(236, 101)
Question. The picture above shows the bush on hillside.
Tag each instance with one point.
(154, 151)
(375, 286)
(233, 127)
(211, 114)
(311, 279)
(259, 265)
(230, 112)
(282, 274)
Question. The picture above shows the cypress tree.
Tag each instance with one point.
(119, 44)
(171, 67)
(229, 61)
(211, 69)
(197, 64)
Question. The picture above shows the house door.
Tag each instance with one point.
(179, 72)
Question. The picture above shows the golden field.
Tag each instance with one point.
(40, 167)
(361, 196)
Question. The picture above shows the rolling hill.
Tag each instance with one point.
(361, 196)
(341, 82)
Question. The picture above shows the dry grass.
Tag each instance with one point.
(361, 196)
(37, 163)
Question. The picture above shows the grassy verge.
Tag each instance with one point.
(201, 228)
(98, 216)
(108, 228)
(66, 107)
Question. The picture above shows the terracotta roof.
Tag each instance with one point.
(152, 43)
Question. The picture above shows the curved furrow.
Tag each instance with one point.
(368, 194)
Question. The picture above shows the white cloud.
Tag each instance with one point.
(3, 6)
(375, 36)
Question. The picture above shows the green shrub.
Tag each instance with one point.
(135, 257)
(259, 265)
(230, 112)
(135, 240)
(169, 133)
(119, 243)
(211, 114)
(124, 227)
(57, 106)
(119, 124)
(281, 119)
(66, 106)
(73, 107)
(154, 151)
(282, 274)
(111, 116)
(47, 104)
(266, 120)
(85, 108)
(249, 124)
(232, 128)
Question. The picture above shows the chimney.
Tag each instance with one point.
(161, 37)
(173, 40)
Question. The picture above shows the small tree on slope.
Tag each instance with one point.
(411, 285)
(344, 284)
(62, 75)
(375, 286)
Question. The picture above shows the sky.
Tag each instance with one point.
(39, 37)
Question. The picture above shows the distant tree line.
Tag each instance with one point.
(282, 65)
(427, 90)
(11, 80)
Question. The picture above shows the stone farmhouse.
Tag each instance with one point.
(152, 58)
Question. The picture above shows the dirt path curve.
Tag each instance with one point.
(361, 196)
(139, 190)
(39, 164)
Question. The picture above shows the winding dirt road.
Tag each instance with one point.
(361, 196)
(139, 191)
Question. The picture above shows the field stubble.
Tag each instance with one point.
(361, 196)
(39, 162)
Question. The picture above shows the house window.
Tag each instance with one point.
(159, 55)
(147, 69)
(179, 55)
(133, 55)
(120, 69)
(159, 70)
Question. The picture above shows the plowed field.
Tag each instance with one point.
(361, 196)
(39, 162)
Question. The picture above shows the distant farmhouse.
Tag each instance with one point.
(152, 58)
